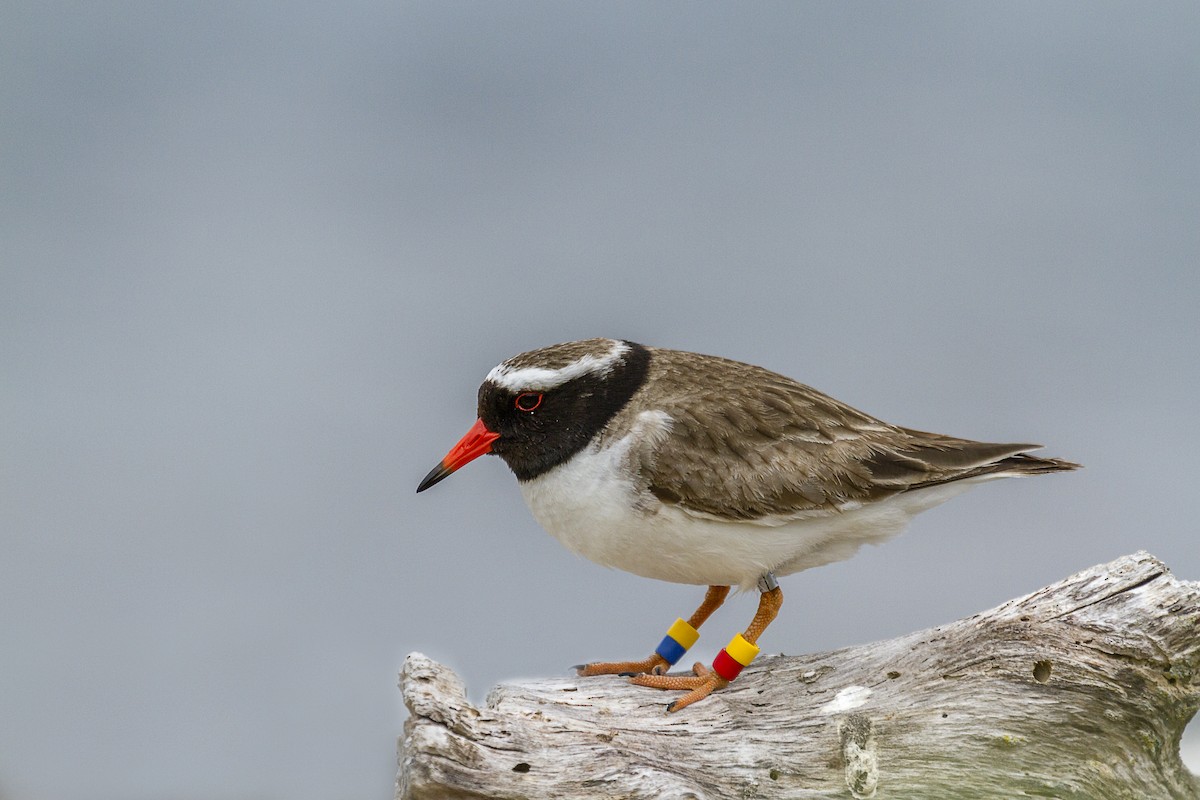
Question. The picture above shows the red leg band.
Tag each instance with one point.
(725, 666)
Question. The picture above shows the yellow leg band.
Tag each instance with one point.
(683, 633)
(741, 651)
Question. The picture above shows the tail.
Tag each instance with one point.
(930, 459)
(1025, 464)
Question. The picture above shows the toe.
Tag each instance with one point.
(621, 667)
(698, 685)
(699, 693)
(665, 681)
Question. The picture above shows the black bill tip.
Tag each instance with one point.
(438, 473)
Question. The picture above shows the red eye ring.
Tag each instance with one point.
(528, 401)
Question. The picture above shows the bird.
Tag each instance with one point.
(701, 470)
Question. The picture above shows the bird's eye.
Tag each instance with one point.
(528, 401)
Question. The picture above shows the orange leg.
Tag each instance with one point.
(701, 683)
(656, 664)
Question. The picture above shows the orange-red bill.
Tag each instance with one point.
(470, 447)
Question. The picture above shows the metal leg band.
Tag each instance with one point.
(767, 583)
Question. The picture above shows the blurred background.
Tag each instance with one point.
(256, 257)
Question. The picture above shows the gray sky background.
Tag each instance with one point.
(256, 258)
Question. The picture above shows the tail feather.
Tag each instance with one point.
(933, 459)
(1025, 464)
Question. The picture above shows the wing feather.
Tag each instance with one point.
(747, 444)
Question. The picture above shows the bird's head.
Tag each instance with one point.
(538, 409)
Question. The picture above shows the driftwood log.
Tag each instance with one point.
(1079, 690)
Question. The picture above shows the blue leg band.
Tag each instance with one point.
(670, 650)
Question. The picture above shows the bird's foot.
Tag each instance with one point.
(699, 685)
(654, 665)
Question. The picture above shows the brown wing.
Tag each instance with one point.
(748, 444)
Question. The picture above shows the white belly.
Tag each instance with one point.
(595, 513)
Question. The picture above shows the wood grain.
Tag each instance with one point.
(1078, 690)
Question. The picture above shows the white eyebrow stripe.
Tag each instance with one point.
(543, 379)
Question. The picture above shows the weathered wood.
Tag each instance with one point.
(1079, 690)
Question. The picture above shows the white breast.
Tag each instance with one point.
(593, 506)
